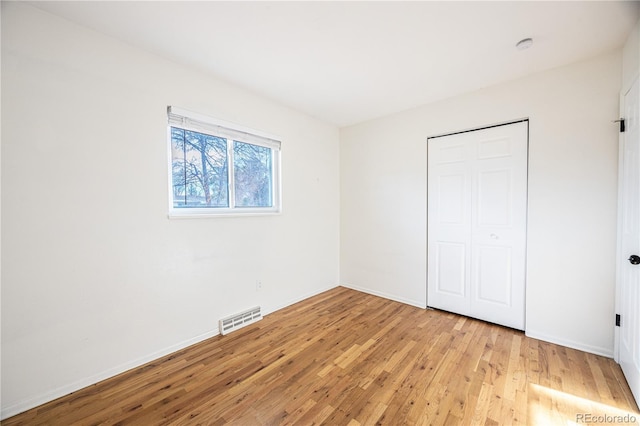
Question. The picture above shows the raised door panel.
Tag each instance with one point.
(451, 199)
(494, 197)
(493, 275)
(450, 268)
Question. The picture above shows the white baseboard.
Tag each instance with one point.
(417, 304)
(30, 403)
(33, 402)
(270, 310)
(607, 352)
(38, 400)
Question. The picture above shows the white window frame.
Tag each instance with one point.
(188, 120)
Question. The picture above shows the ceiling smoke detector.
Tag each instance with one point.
(525, 43)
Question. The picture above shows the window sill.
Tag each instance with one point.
(207, 214)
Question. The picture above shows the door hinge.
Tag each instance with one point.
(621, 121)
(617, 320)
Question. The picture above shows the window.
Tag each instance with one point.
(219, 168)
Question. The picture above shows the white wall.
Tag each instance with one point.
(631, 58)
(96, 279)
(572, 197)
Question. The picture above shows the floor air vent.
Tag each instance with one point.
(234, 322)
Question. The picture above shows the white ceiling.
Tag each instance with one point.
(348, 62)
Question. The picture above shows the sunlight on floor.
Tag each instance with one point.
(553, 407)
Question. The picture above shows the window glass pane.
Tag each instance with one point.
(253, 175)
(177, 167)
(200, 171)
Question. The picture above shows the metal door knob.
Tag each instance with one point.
(634, 259)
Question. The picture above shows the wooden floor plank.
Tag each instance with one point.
(349, 358)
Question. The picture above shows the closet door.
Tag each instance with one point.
(477, 205)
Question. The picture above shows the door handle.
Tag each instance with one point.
(634, 259)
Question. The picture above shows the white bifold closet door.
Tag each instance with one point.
(477, 218)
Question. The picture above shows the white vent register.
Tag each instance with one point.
(237, 321)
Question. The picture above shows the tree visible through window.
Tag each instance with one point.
(253, 171)
(200, 171)
(211, 169)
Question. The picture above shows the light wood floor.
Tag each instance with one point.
(348, 358)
